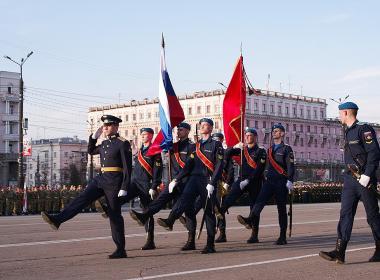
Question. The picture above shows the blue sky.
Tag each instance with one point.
(88, 51)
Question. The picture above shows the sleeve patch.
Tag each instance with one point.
(368, 137)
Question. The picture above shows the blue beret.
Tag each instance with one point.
(279, 126)
(250, 130)
(207, 120)
(146, 129)
(217, 135)
(184, 125)
(110, 119)
(348, 105)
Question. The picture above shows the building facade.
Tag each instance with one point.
(57, 161)
(316, 139)
(9, 123)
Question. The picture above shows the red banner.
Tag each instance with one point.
(234, 106)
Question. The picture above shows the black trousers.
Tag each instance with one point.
(91, 193)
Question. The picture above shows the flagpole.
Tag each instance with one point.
(241, 120)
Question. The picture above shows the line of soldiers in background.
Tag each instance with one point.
(41, 198)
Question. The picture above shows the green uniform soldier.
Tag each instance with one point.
(48, 200)
(41, 199)
(2, 202)
(56, 199)
(9, 202)
(19, 196)
(65, 196)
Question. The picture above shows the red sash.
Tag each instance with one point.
(275, 165)
(144, 164)
(250, 160)
(177, 157)
(203, 158)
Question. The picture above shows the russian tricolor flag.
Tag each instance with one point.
(170, 110)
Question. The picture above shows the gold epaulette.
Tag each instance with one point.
(121, 139)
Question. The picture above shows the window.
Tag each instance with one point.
(208, 109)
(308, 129)
(287, 111)
(156, 114)
(149, 115)
(294, 127)
(272, 108)
(294, 112)
(315, 143)
(9, 90)
(126, 117)
(248, 123)
(216, 125)
(248, 106)
(322, 129)
(264, 124)
(308, 114)
(322, 115)
(256, 106)
(256, 124)
(189, 111)
(279, 110)
(11, 109)
(301, 142)
(315, 114)
(134, 117)
(134, 132)
(199, 110)
(264, 108)
(301, 128)
(141, 116)
(301, 113)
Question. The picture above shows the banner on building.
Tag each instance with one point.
(27, 147)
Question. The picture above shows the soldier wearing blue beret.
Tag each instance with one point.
(361, 157)
(115, 173)
(204, 170)
(279, 180)
(179, 154)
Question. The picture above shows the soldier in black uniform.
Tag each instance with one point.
(145, 182)
(204, 169)
(279, 180)
(116, 164)
(361, 156)
(178, 157)
(251, 177)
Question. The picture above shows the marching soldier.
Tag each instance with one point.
(145, 182)
(19, 196)
(178, 157)
(2, 201)
(65, 196)
(116, 164)
(56, 199)
(204, 169)
(279, 180)
(41, 199)
(251, 177)
(9, 202)
(48, 199)
(361, 156)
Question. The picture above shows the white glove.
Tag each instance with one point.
(97, 134)
(243, 184)
(122, 193)
(210, 190)
(239, 145)
(364, 180)
(172, 185)
(226, 186)
(152, 193)
(289, 185)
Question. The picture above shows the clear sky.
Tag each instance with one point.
(98, 52)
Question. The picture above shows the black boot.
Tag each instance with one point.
(149, 244)
(222, 236)
(376, 255)
(254, 235)
(282, 239)
(140, 218)
(247, 222)
(183, 221)
(166, 223)
(338, 254)
(51, 220)
(118, 254)
(190, 244)
(209, 248)
(101, 208)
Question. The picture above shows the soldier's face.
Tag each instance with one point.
(250, 138)
(182, 133)
(146, 137)
(277, 133)
(205, 128)
(110, 129)
(343, 116)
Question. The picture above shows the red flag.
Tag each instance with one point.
(234, 106)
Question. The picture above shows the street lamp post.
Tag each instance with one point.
(20, 120)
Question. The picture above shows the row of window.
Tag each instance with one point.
(297, 127)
